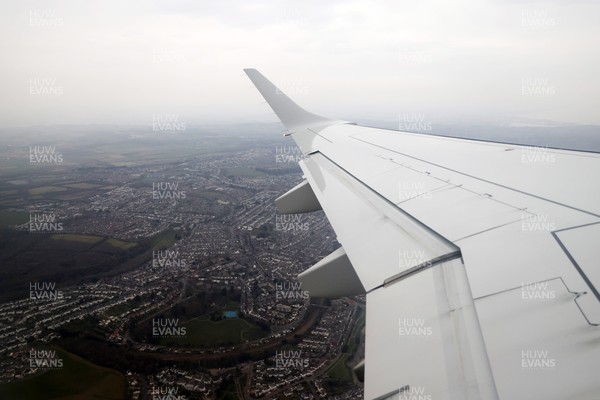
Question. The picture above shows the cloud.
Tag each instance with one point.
(120, 62)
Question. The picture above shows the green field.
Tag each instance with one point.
(90, 239)
(82, 185)
(63, 258)
(121, 244)
(340, 369)
(77, 379)
(164, 240)
(46, 189)
(78, 238)
(9, 218)
(242, 172)
(202, 332)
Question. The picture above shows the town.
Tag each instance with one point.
(207, 278)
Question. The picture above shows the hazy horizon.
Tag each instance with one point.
(68, 62)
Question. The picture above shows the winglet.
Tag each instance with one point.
(291, 114)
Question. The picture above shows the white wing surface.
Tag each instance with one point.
(479, 261)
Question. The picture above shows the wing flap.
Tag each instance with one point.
(368, 221)
(423, 339)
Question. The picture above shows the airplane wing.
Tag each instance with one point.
(479, 260)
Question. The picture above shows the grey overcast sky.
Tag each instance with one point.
(75, 61)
